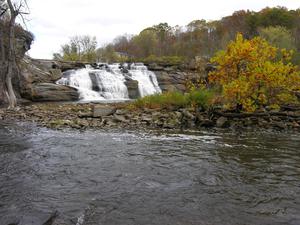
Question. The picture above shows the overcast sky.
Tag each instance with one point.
(53, 22)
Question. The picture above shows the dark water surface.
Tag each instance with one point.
(121, 178)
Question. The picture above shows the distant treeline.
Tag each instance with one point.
(279, 26)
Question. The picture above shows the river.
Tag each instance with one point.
(141, 178)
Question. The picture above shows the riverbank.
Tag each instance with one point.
(119, 115)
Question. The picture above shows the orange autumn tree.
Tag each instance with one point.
(253, 74)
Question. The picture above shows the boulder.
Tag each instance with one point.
(103, 110)
(155, 67)
(223, 122)
(53, 92)
(120, 118)
(207, 123)
(133, 88)
(187, 114)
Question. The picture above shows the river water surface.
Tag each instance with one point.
(135, 178)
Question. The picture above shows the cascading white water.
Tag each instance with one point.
(111, 83)
(148, 84)
(80, 80)
(108, 83)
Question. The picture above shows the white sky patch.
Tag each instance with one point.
(53, 22)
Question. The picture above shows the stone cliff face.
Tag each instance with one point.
(174, 78)
(22, 45)
(38, 77)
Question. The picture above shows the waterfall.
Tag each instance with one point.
(107, 82)
(80, 80)
(148, 84)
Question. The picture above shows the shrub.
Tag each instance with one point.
(175, 100)
(165, 100)
(253, 76)
(200, 98)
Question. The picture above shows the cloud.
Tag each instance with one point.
(54, 21)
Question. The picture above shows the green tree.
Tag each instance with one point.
(146, 42)
(278, 36)
(79, 48)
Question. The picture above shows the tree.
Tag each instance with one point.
(278, 36)
(107, 54)
(8, 46)
(79, 48)
(146, 42)
(252, 75)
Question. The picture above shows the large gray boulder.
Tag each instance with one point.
(103, 110)
(53, 92)
(133, 88)
(37, 82)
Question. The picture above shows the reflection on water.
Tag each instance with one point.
(138, 178)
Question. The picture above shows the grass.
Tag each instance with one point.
(176, 100)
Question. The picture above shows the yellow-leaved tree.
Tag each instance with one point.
(253, 74)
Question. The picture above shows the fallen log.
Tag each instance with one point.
(267, 114)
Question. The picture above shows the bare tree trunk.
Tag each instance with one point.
(11, 61)
(2, 64)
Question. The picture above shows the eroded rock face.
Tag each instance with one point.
(53, 92)
(23, 41)
(133, 88)
(171, 81)
(37, 82)
(47, 64)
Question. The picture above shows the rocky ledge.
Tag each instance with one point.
(95, 116)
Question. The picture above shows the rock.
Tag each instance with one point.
(178, 115)
(298, 95)
(155, 67)
(171, 124)
(109, 123)
(83, 123)
(35, 72)
(85, 115)
(169, 69)
(120, 118)
(93, 77)
(223, 122)
(51, 219)
(146, 119)
(290, 107)
(55, 74)
(60, 122)
(121, 112)
(133, 88)
(103, 110)
(171, 81)
(279, 125)
(295, 125)
(53, 92)
(207, 123)
(187, 114)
